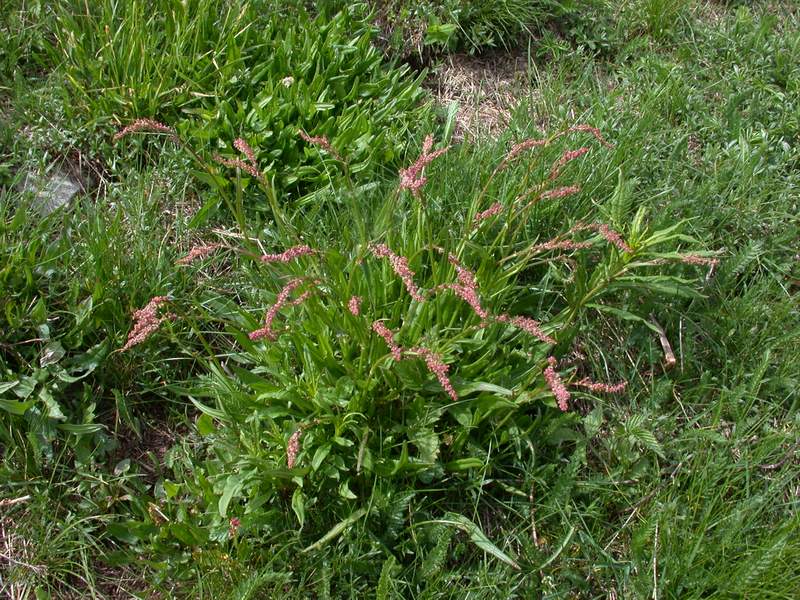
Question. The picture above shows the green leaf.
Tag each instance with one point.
(25, 387)
(53, 408)
(233, 485)
(337, 530)
(622, 314)
(16, 407)
(122, 466)
(171, 489)
(346, 492)
(320, 455)
(299, 506)
(477, 536)
(464, 464)
(205, 425)
(51, 354)
(7, 385)
(80, 428)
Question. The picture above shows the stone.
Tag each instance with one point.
(51, 190)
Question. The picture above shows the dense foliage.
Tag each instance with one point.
(360, 387)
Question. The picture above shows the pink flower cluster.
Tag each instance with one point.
(400, 267)
(611, 236)
(388, 336)
(146, 126)
(412, 178)
(433, 361)
(594, 131)
(437, 366)
(237, 163)
(243, 147)
(281, 301)
(527, 325)
(354, 305)
(560, 244)
(466, 288)
(560, 192)
(519, 148)
(568, 156)
(233, 526)
(493, 210)
(288, 255)
(199, 251)
(293, 448)
(251, 166)
(321, 141)
(696, 259)
(555, 384)
(146, 322)
(606, 388)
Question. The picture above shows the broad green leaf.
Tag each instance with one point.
(16, 407)
(346, 492)
(477, 536)
(299, 506)
(51, 354)
(53, 408)
(233, 485)
(320, 455)
(337, 530)
(463, 464)
(622, 314)
(205, 425)
(122, 466)
(7, 385)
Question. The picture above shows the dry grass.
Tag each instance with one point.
(16, 557)
(487, 89)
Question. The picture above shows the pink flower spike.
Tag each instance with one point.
(556, 385)
(611, 236)
(146, 126)
(354, 305)
(400, 267)
(236, 163)
(568, 156)
(280, 302)
(605, 388)
(594, 131)
(493, 210)
(557, 244)
(466, 288)
(199, 251)
(234, 525)
(288, 255)
(437, 367)
(243, 147)
(321, 141)
(412, 178)
(519, 148)
(560, 192)
(387, 335)
(293, 448)
(527, 325)
(696, 259)
(146, 322)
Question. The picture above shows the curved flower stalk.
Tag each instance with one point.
(400, 267)
(412, 178)
(281, 301)
(146, 322)
(146, 126)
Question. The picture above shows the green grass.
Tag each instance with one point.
(686, 486)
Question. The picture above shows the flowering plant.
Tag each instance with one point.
(418, 342)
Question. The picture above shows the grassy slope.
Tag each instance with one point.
(685, 487)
